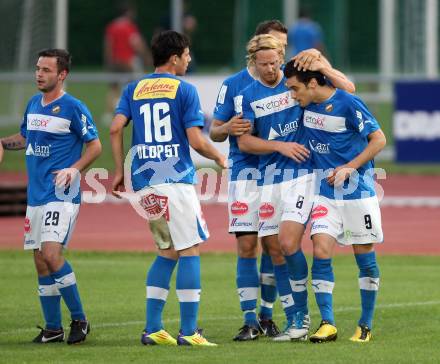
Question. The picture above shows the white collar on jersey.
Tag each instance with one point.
(59, 97)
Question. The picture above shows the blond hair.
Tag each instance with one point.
(263, 42)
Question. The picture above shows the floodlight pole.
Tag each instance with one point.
(387, 41)
(176, 15)
(61, 21)
(290, 11)
(431, 30)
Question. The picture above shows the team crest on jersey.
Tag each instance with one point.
(155, 88)
(155, 206)
(56, 109)
(329, 108)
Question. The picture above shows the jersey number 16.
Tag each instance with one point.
(158, 121)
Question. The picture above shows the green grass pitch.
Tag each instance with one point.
(406, 330)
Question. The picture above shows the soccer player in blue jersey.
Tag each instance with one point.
(167, 120)
(286, 180)
(55, 127)
(243, 201)
(344, 137)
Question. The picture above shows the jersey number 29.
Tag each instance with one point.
(157, 120)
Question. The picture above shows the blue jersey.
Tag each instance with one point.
(162, 107)
(305, 34)
(54, 134)
(338, 129)
(229, 104)
(275, 116)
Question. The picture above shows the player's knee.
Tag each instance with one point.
(287, 246)
(321, 252)
(247, 246)
(53, 260)
(276, 254)
(40, 265)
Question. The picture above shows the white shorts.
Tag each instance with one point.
(243, 202)
(349, 221)
(54, 221)
(287, 201)
(176, 204)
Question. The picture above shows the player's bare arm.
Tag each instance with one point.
(376, 142)
(236, 126)
(65, 176)
(13, 142)
(307, 60)
(255, 145)
(202, 146)
(117, 144)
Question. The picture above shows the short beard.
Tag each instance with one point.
(46, 90)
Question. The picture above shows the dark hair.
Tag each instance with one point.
(266, 26)
(63, 57)
(303, 76)
(166, 44)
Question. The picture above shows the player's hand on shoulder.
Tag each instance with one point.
(238, 126)
(65, 177)
(304, 60)
(339, 175)
(298, 152)
(118, 185)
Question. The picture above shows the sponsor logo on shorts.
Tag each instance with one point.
(318, 226)
(352, 234)
(27, 225)
(155, 206)
(154, 88)
(319, 211)
(266, 211)
(239, 208)
(263, 227)
(236, 223)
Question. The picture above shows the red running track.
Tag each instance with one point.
(116, 227)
